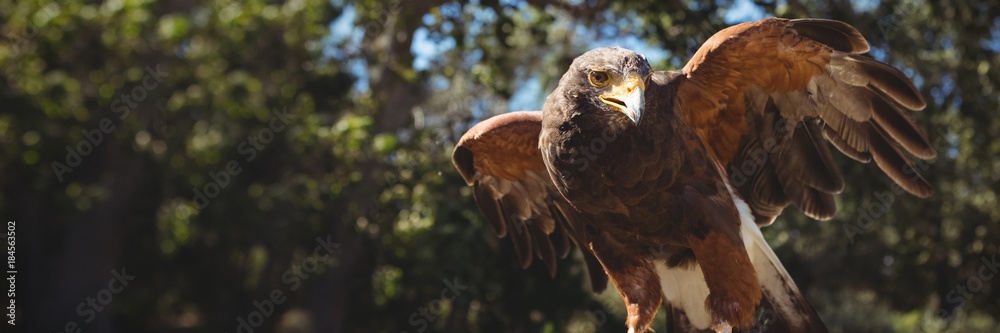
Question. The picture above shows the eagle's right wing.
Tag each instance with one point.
(499, 158)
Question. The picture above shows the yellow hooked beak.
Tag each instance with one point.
(627, 96)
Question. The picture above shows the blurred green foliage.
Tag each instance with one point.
(364, 161)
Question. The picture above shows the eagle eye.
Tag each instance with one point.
(599, 79)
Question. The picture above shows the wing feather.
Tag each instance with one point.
(499, 158)
(901, 128)
(893, 161)
(884, 78)
(807, 73)
(838, 35)
(491, 208)
(842, 145)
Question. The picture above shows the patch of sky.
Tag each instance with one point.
(342, 30)
(865, 6)
(878, 53)
(743, 11)
(439, 83)
(481, 16)
(472, 57)
(344, 41)
(426, 49)
(918, 80)
(993, 42)
(482, 108)
(514, 3)
(527, 97)
(945, 87)
(452, 9)
(429, 45)
(359, 68)
(947, 43)
(696, 5)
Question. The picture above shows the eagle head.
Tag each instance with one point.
(610, 82)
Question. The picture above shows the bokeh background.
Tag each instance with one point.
(320, 134)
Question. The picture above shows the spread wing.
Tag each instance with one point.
(764, 95)
(500, 159)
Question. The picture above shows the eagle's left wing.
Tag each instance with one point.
(763, 95)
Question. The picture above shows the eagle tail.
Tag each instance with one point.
(785, 309)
